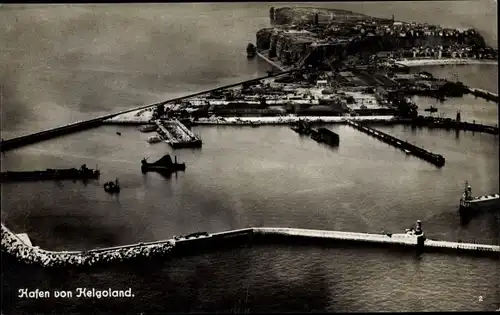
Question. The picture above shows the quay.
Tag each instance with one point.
(51, 133)
(487, 95)
(438, 122)
(413, 239)
(409, 148)
(178, 135)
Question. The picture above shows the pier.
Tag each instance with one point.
(407, 147)
(438, 122)
(487, 95)
(178, 135)
(51, 133)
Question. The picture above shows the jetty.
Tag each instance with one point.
(405, 146)
(83, 173)
(434, 122)
(487, 95)
(178, 135)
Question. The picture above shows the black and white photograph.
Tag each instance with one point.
(249, 157)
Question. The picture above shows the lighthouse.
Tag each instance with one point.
(420, 236)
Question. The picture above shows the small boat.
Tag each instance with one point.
(148, 128)
(431, 109)
(112, 187)
(155, 139)
(119, 133)
(163, 165)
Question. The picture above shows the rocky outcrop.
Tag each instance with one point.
(306, 33)
(264, 38)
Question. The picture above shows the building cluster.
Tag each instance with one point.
(34, 255)
(330, 37)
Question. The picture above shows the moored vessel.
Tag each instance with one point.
(83, 173)
(431, 109)
(112, 187)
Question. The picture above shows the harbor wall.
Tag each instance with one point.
(487, 95)
(17, 142)
(13, 245)
(20, 141)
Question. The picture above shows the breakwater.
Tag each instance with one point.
(436, 122)
(51, 133)
(178, 135)
(487, 95)
(407, 147)
(445, 61)
(13, 245)
(17, 142)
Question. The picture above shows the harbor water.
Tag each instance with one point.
(243, 176)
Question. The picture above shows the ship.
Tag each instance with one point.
(324, 135)
(431, 109)
(148, 128)
(251, 51)
(112, 187)
(470, 205)
(302, 127)
(155, 139)
(163, 165)
(83, 173)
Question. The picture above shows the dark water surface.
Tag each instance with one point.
(94, 59)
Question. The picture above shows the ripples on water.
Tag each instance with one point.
(266, 176)
(281, 279)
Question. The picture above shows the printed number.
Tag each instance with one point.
(480, 298)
